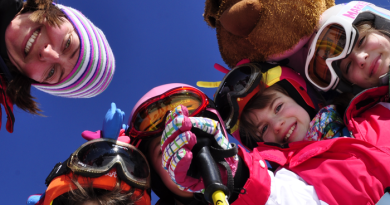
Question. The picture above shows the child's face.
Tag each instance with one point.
(155, 157)
(369, 59)
(282, 121)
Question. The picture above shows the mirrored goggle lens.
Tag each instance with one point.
(238, 80)
(151, 118)
(330, 43)
(99, 155)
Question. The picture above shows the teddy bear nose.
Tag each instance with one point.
(241, 18)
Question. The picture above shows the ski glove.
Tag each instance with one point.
(112, 123)
(177, 142)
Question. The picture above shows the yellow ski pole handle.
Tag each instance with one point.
(219, 198)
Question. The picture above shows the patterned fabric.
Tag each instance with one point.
(177, 142)
(95, 66)
(327, 124)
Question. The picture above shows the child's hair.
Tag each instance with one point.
(248, 131)
(82, 195)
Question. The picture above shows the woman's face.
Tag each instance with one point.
(155, 157)
(282, 121)
(46, 54)
(369, 59)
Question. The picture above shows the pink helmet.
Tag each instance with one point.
(164, 98)
(143, 122)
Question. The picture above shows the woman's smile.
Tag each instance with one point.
(31, 41)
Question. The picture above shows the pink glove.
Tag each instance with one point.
(89, 135)
(177, 142)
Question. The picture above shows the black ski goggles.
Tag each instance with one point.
(97, 157)
(236, 85)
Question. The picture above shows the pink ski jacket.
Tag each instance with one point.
(342, 170)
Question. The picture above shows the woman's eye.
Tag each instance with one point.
(68, 42)
(50, 74)
(277, 109)
(361, 41)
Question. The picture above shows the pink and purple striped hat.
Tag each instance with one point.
(95, 66)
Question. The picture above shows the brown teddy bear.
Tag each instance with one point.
(261, 30)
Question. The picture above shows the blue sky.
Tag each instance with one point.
(154, 43)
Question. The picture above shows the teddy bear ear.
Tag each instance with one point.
(210, 12)
(241, 18)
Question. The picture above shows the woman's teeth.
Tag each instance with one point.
(30, 41)
(289, 132)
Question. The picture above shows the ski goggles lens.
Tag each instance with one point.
(97, 157)
(150, 116)
(239, 80)
(331, 43)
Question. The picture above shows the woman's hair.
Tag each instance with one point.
(82, 195)
(248, 130)
(19, 88)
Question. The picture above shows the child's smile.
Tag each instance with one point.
(282, 121)
(369, 59)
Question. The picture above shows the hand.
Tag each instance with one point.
(89, 135)
(177, 142)
(112, 122)
(112, 125)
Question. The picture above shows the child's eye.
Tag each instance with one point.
(264, 129)
(348, 66)
(277, 109)
(361, 41)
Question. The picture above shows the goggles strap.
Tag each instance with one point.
(219, 156)
(59, 169)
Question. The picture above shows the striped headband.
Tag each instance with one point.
(95, 66)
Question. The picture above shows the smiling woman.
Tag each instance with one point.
(52, 47)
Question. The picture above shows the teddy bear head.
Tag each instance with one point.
(262, 30)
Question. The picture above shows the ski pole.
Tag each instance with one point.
(215, 192)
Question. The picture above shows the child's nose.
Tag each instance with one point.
(278, 124)
(360, 58)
